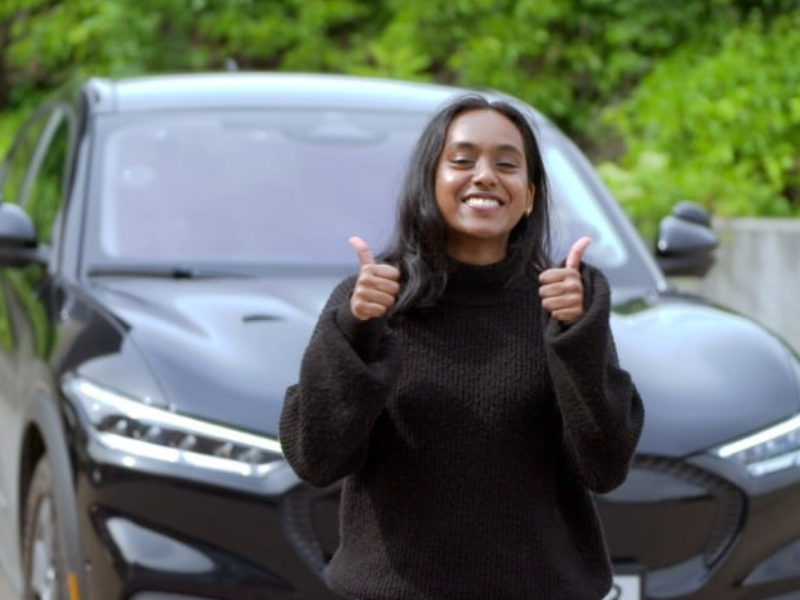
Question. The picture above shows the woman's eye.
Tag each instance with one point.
(461, 162)
(507, 165)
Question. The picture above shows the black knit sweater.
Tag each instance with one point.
(471, 437)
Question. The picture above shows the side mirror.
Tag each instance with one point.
(18, 240)
(686, 242)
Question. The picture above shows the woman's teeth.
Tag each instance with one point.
(481, 202)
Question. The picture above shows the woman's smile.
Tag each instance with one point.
(483, 202)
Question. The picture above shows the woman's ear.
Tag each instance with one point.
(530, 199)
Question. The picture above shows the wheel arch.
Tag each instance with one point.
(45, 436)
(33, 448)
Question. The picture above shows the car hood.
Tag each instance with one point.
(221, 349)
(706, 375)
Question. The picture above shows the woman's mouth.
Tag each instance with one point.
(482, 202)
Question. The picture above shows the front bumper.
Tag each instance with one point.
(701, 535)
(159, 537)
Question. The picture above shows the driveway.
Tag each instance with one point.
(6, 592)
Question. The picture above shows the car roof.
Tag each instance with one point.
(254, 90)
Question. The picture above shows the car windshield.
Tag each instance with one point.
(283, 188)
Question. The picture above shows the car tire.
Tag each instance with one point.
(43, 546)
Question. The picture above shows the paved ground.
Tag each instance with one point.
(5, 588)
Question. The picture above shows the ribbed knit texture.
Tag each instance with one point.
(470, 436)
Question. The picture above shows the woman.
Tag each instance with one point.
(468, 393)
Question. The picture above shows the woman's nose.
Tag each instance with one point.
(484, 173)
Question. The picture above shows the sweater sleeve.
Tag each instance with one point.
(348, 370)
(601, 410)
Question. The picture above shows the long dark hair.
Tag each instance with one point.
(418, 246)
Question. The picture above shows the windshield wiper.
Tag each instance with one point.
(165, 271)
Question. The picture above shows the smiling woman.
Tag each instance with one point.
(493, 361)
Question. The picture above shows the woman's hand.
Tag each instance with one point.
(377, 285)
(561, 289)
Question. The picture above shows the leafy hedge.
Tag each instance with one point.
(673, 99)
(719, 125)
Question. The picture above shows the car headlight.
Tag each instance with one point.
(772, 449)
(137, 429)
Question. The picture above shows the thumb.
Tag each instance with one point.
(576, 252)
(362, 250)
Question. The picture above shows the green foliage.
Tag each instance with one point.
(10, 122)
(569, 58)
(720, 126)
(702, 92)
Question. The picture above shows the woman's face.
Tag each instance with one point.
(482, 185)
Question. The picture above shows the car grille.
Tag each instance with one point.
(669, 512)
(666, 513)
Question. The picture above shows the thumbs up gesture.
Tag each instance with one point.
(377, 285)
(561, 289)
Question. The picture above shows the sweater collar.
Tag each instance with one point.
(467, 280)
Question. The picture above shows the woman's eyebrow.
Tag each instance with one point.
(459, 145)
(510, 148)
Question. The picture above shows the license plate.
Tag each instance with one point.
(626, 586)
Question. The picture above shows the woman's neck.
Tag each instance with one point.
(479, 255)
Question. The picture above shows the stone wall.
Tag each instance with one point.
(757, 273)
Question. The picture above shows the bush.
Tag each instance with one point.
(713, 118)
(716, 125)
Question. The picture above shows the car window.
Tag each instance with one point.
(270, 187)
(576, 213)
(43, 200)
(288, 187)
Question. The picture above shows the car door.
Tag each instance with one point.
(33, 177)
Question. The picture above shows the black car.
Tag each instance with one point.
(166, 246)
